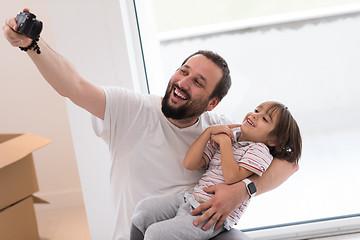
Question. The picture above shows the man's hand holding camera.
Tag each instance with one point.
(23, 31)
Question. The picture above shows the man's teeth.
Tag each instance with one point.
(179, 94)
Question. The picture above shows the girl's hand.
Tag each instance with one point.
(221, 138)
(223, 129)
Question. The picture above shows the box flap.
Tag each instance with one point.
(5, 137)
(20, 146)
(39, 200)
(17, 181)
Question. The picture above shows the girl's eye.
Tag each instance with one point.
(265, 119)
(256, 111)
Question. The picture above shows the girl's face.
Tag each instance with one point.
(258, 124)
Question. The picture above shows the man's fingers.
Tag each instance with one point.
(11, 23)
(5, 25)
(211, 221)
(204, 217)
(220, 222)
(210, 190)
(204, 206)
(14, 38)
(213, 213)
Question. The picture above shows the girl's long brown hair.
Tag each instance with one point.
(287, 134)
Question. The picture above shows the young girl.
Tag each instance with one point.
(270, 131)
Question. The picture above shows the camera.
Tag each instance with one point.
(28, 25)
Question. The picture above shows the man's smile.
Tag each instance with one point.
(180, 94)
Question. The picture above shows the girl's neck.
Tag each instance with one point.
(242, 138)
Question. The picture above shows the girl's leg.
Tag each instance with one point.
(179, 228)
(155, 209)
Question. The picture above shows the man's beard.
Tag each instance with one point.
(188, 110)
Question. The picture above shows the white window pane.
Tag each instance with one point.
(312, 67)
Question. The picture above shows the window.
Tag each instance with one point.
(306, 58)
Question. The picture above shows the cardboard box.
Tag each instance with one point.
(17, 184)
(18, 221)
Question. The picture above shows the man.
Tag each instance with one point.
(148, 136)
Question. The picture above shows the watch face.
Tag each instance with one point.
(252, 188)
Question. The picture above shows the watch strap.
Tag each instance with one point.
(247, 181)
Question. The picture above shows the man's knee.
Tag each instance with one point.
(142, 209)
(155, 232)
(140, 216)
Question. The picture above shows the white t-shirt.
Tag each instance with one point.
(147, 151)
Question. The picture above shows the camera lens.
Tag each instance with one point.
(34, 32)
(28, 25)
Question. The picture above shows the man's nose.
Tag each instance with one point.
(185, 82)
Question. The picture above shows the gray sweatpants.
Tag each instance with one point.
(168, 217)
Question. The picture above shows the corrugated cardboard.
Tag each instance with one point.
(17, 172)
(18, 222)
(17, 184)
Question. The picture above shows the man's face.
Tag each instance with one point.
(189, 90)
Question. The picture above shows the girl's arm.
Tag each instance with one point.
(232, 172)
(194, 156)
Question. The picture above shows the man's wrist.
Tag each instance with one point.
(250, 187)
(240, 191)
(33, 46)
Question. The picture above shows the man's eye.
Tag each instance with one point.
(256, 111)
(198, 83)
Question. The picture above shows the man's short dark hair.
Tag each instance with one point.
(223, 86)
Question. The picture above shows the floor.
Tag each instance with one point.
(63, 224)
(71, 224)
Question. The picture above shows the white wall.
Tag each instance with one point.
(100, 39)
(29, 104)
(97, 37)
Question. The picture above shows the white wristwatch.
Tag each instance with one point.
(250, 187)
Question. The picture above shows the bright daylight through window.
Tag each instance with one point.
(303, 55)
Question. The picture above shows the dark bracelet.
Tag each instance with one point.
(33, 46)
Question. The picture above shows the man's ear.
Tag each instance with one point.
(212, 103)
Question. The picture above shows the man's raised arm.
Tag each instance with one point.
(59, 72)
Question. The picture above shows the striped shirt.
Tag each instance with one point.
(254, 157)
